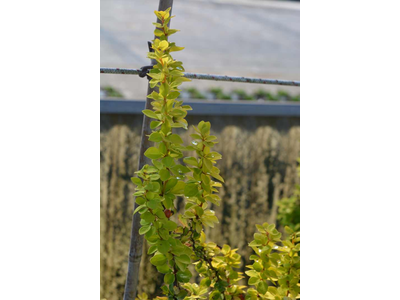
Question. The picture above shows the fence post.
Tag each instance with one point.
(136, 245)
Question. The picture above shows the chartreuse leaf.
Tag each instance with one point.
(144, 229)
(169, 198)
(155, 137)
(175, 139)
(252, 273)
(158, 259)
(153, 153)
(179, 170)
(156, 96)
(169, 278)
(155, 124)
(163, 246)
(172, 31)
(140, 200)
(189, 214)
(158, 32)
(217, 176)
(164, 174)
(176, 48)
(169, 225)
(168, 161)
(184, 276)
(253, 280)
(208, 218)
(173, 95)
(170, 184)
(152, 249)
(136, 180)
(190, 161)
(158, 165)
(150, 113)
(178, 189)
(289, 230)
(257, 266)
(163, 148)
(183, 259)
(204, 128)
(196, 136)
(191, 190)
(152, 186)
(141, 209)
(153, 204)
(262, 287)
(163, 45)
(148, 217)
(163, 268)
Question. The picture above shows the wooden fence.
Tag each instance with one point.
(259, 165)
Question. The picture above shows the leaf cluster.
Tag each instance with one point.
(177, 239)
(275, 273)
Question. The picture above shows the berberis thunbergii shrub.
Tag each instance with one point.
(178, 240)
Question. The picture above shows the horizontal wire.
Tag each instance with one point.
(208, 77)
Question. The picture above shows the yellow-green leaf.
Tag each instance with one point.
(144, 229)
(191, 190)
(136, 180)
(153, 153)
(262, 287)
(175, 139)
(176, 48)
(155, 137)
(164, 174)
(158, 260)
(150, 113)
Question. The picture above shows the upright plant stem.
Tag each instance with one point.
(136, 245)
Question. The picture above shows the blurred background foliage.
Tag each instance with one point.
(217, 93)
(110, 92)
(289, 208)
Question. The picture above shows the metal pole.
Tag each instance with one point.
(136, 246)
